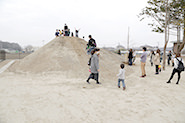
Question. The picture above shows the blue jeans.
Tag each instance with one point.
(130, 62)
(89, 50)
(123, 83)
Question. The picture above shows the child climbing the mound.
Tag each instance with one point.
(121, 76)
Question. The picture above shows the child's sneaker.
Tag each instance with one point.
(118, 86)
(124, 88)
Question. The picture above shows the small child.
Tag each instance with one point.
(159, 68)
(60, 32)
(121, 76)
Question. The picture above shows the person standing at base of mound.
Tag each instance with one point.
(91, 45)
(143, 62)
(178, 67)
(94, 65)
(121, 76)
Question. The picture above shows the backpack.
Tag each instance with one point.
(180, 66)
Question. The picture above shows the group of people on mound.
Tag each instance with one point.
(66, 32)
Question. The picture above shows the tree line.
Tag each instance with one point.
(10, 46)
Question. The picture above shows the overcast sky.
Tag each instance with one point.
(34, 21)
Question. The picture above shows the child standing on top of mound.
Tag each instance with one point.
(56, 33)
(77, 31)
(60, 32)
(121, 76)
(94, 65)
(91, 45)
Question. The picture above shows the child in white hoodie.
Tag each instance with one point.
(121, 76)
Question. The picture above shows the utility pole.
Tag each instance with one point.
(128, 39)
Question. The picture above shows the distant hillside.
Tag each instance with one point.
(10, 46)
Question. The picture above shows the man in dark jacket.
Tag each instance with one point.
(130, 56)
(91, 42)
(91, 45)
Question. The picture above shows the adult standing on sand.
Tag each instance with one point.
(173, 57)
(152, 54)
(130, 56)
(94, 66)
(143, 62)
(177, 61)
(156, 60)
(169, 57)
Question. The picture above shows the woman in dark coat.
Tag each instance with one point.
(130, 56)
(94, 66)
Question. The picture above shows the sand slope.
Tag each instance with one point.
(68, 56)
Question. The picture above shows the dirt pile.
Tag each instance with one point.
(68, 56)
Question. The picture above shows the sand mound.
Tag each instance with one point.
(66, 55)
